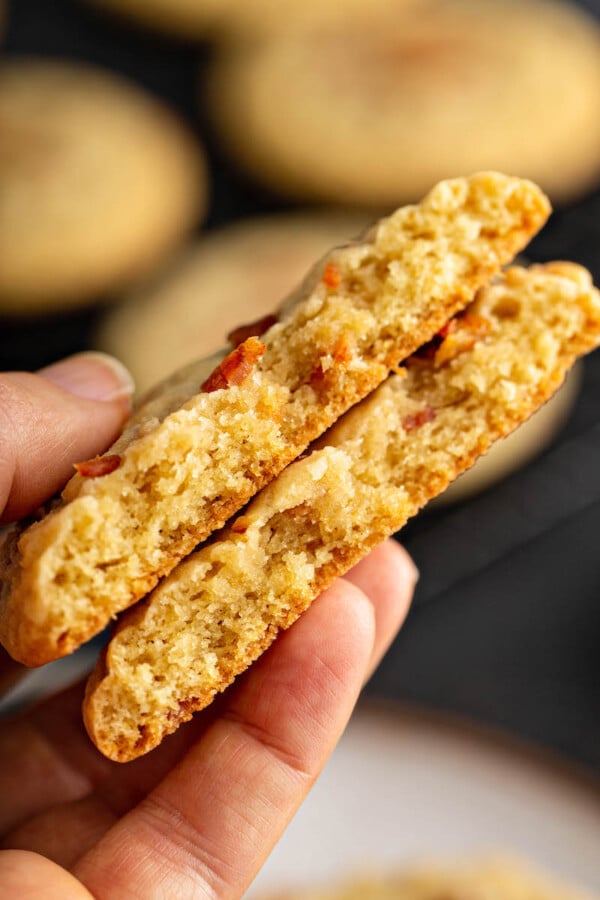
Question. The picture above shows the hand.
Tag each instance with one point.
(199, 815)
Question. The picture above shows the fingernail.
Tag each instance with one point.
(93, 375)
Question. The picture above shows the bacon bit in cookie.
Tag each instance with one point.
(184, 710)
(236, 367)
(447, 329)
(332, 276)
(415, 420)
(100, 465)
(337, 358)
(342, 351)
(465, 334)
(241, 525)
(458, 335)
(252, 329)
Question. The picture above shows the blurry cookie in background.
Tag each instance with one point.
(503, 878)
(190, 19)
(197, 19)
(233, 276)
(375, 113)
(99, 182)
(520, 447)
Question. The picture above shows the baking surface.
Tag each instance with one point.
(403, 787)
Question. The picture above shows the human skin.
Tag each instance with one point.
(198, 816)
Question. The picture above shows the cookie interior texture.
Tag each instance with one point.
(99, 183)
(519, 448)
(234, 274)
(494, 878)
(180, 477)
(376, 112)
(376, 467)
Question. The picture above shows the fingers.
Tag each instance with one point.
(10, 672)
(287, 704)
(63, 833)
(209, 825)
(388, 577)
(29, 876)
(68, 412)
(37, 771)
(59, 795)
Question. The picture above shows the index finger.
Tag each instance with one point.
(46, 425)
(206, 829)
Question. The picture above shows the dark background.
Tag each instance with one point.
(506, 623)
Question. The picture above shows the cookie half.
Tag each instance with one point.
(220, 609)
(236, 274)
(200, 447)
(376, 112)
(520, 447)
(100, 182)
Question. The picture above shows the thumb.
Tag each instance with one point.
(67, 412)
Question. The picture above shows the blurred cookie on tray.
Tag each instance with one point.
(237, 274)
(494, 878)
(99, 181)
(374, 112)
(197, 19)
(188, 19)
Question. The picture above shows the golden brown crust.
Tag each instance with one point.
(364, 478)
(186, 469)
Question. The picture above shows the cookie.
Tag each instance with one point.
(486, 372)
(183, 18)
(520, 447)
(100, 182)
(495, 878)
(237, 274)
(191, 19)
(374, 114)
(201, 447)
